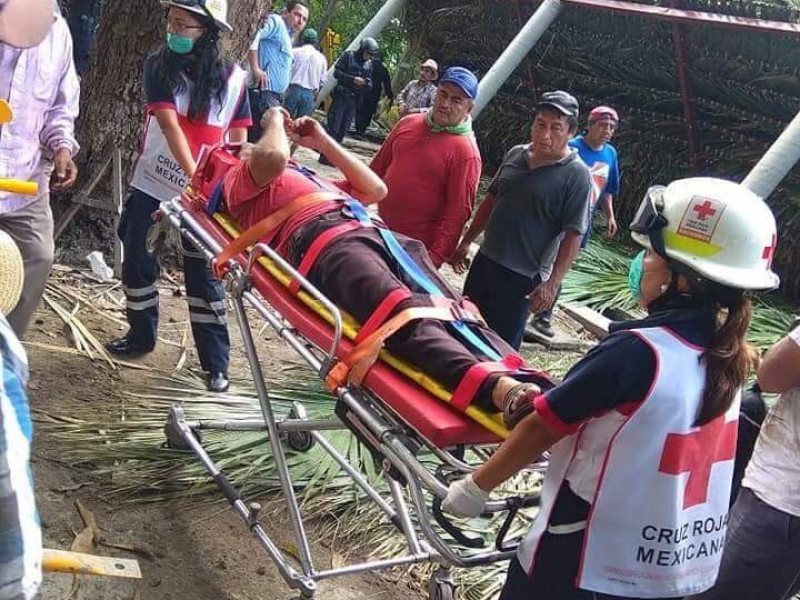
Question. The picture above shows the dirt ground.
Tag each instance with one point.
(199, 553)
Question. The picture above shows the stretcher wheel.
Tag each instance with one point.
(300, 441)
(441, 586)
(440, 590)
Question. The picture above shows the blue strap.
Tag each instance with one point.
(419, 276)
(216, 199)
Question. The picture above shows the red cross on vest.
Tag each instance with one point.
(704, 210)
(769, 251)
(695, 453)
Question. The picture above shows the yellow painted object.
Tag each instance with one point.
(6, 114)
(491, 421)
(19, 186)
(63, 561)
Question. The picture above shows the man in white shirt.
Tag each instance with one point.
(761, 560)
(309, 67)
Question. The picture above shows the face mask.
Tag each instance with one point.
(635, 274)
(179, 44)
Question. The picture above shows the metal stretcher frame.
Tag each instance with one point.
(408, 478)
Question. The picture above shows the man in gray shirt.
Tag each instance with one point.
(535, 214)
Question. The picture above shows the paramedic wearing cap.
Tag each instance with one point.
(643, 428)
(309, 67)
(535, 214)
(270, 60)
(418, 94)
(761, 560)
(431, 165)
(194, 98)
(41, 87)
(600, 156)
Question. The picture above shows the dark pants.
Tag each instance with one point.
(365, 110)
(553, 576)
(357, 272)
(341, 115)
(299, 101)
(83, 28)
(761, 559)
(501, 295)
(260, 102)
(204, 293)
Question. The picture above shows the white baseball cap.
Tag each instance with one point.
(25, 23)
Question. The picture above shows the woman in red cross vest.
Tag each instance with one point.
(643, 428)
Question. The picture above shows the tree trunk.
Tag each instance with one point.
(112, 100)
(326, 17)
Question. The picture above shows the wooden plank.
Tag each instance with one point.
(588, 318)
(63, 561)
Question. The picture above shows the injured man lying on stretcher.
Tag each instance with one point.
(352, 263)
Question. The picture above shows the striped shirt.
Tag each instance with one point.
(20, 533)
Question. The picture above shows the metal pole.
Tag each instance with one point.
(516, 52)
(389, 10)
(681, 61)
(777, 161)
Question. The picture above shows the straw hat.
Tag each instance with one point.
(12, 273)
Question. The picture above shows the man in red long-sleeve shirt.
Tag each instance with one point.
(431, 165)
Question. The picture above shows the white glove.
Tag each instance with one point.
(465, 498)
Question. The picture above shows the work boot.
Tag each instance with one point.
(543, 326)
(217, 382)
(127, 347)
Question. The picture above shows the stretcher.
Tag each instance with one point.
(397, 412)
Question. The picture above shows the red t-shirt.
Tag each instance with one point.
(249, 203)
(432, 180)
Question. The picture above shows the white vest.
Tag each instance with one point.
(660, 486)
(157, 172)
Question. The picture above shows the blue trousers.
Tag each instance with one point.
(299, 101)
(501, 295)
(341, 115)
(204, 293)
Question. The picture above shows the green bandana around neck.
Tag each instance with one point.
(463, 128)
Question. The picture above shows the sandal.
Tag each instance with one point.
(517, 407)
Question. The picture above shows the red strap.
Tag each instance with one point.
(300, 218)
(470, 384)
(316, 248)
(382, 312)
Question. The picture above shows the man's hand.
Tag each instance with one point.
(66, 172)
(543, 296)
(307, 132)
(359, 81)
(402, 110)
(275, 113)
(612, 227)
(459, 259)
(260, 79)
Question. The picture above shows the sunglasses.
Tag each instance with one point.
(649, 219)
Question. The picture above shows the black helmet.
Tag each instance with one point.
(369, 45)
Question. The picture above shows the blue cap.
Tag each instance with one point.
(463, 78)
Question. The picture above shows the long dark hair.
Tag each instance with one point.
(728, 357)
(204, 66)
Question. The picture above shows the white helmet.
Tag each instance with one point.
(12, 273)
(719, 229)
(213, 9)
